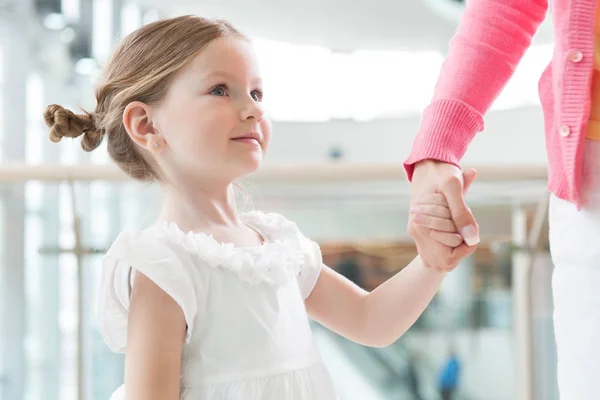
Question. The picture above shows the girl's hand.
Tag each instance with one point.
(432, 212)
(434, 229)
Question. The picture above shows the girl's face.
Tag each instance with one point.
(212, 121)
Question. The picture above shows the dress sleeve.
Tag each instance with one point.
(166, 264)
(309, 274)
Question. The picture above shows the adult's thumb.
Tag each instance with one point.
(461, 214)
(468, 178)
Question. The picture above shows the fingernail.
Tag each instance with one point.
(469, 234)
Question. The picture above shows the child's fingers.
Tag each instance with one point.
(437, 199)
(432, 210)
(457, 255)
(463, 251)
(448, 239)
(434, 223)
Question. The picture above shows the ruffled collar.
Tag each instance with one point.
(275, 261)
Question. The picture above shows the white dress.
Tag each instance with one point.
(248, 334)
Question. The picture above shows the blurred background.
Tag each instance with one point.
(345, 85)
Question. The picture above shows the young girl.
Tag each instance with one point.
(208, 303)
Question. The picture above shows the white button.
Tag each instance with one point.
(575, 56)
(564, 130)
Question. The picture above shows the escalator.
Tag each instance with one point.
(361, 372)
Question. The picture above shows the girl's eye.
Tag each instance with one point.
(219, 90)
(257, 95)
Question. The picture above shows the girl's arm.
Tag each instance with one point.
(378, 318)
(155, 337)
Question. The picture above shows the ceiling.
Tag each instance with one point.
(340, 25)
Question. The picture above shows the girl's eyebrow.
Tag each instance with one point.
(229, 76)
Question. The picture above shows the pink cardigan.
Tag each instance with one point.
(489, 43)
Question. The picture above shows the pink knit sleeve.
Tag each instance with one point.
(490, 41)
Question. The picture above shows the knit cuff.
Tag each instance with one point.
(447, 128)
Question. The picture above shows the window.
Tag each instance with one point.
(312, 83)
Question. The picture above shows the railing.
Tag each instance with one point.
(288, 173)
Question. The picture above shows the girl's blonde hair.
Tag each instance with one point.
(141, 69)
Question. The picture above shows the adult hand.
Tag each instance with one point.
(431, 177)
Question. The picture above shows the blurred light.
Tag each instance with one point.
(449, 10)
(86, 66)
(311, 83)
(131, 18)
(35, 133)
(339, 67)
(297, 80)
(70, 9)
(67, 35)
(2, 111)
(150, 16)
(55, 21)
(102, 29)
(392, 83)
(1, 71)
(34, 97)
